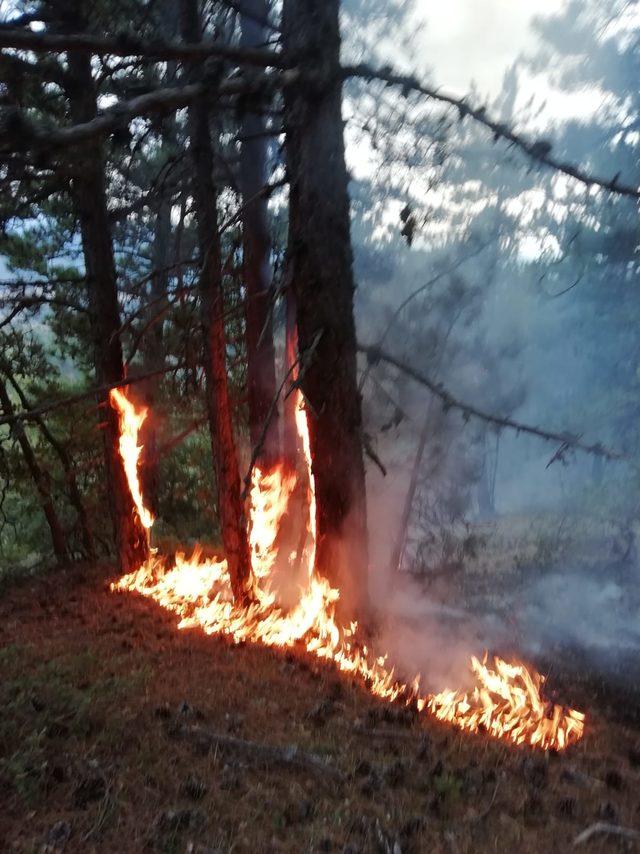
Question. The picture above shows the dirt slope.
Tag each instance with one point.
(107, 712)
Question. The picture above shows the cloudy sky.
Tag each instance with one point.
(477, 40)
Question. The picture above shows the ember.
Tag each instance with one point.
(506, 703)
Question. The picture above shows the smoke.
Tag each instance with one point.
(500, 549)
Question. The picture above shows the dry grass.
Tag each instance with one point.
(93, 684)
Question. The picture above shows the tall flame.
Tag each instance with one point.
(131, 421)
(506, 703)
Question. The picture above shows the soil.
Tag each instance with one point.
(97, 691)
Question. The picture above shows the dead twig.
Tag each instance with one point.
(474, 819)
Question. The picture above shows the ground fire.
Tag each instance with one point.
(506, 702)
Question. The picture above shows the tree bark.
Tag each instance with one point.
(225, 459)
(289, 429)
(256, 245)
(321, 274)
(40, 478)
(89, 195)
(153, 352)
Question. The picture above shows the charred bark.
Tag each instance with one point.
(256, 247)
(289, 430)
(40, 479)
(225, 459)
(89, 195)
(321, 276)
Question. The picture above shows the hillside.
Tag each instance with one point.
(121, 733)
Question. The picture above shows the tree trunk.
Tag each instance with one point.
(40, 478)
(225, 459)
(89, 195)
(289, 429)
(256, 244)
(321, 274)
(153, 351)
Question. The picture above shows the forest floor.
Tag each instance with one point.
(105, 710)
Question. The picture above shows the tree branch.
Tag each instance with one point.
(566, 440)
(52, 405)
(129, 45)
(539, 149)
(19, 132)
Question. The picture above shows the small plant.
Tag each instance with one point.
(26, 768)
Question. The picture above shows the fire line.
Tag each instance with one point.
(506, 703)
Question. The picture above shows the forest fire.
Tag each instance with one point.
(506, 702)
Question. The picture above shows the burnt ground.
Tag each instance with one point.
(104, 703)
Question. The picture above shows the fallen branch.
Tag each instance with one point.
(603, 827)
(539, 149)
(566, 440)
(267, 755)
(130, 45)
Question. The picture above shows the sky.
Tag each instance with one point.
(465, 42)
(477, 40)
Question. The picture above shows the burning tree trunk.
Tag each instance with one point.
(40, 478)
(256, 244)
(153, 349)
(89, 195)
(290, 431)
(225, 459)
(321, 274)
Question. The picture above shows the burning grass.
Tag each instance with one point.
(507, 702)
(97, 691)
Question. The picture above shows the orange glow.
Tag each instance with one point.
(131, 421)
(506, 702)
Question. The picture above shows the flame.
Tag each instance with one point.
(303, 431)
(131, 420)
(507, 702)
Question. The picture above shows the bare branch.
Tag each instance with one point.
(566, 440)
(19, 132)
(129, 45)
(52, 405)
(539, 149)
